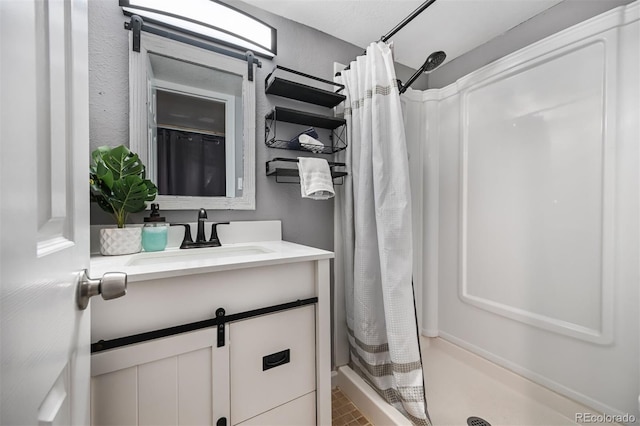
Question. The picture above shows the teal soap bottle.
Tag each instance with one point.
(154, 231)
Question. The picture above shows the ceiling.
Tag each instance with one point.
(455, 26)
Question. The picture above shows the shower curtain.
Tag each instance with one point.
(376, 237)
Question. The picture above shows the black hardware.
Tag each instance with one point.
(477, 421)
(275, 360)
(104, 345)
(154, 216)
(302, 92)
(187, 240)
(136, 27)
(221, 326)
(406, 20)
(403, 23)
(309, 93)
(287, 115)
(182, 39)
(250, 57)
(222, 421)
(305, 118)
(433, 61)
(271, 309)
(201, 241)
(295, 160)
(214, 241)
(202, 215)
(294, 174)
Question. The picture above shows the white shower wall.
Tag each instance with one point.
(530, 192)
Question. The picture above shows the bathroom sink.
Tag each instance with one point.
(245, 245)
(194, 255)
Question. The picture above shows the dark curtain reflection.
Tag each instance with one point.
(191, 164)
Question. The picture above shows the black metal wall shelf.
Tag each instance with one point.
(290, 175)
(284, 87)
(288, 115)
(305, 118)
(302, 92)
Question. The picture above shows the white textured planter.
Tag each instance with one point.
(116, 241)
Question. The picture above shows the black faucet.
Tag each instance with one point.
(201, 241)
(202, 215)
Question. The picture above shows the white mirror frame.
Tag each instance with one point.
(138, 136)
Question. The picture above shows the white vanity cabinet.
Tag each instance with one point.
(271, 366)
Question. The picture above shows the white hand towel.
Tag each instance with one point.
(315, 178)
(311, 143)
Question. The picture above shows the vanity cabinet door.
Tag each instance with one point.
(179, 380)
(272, 363)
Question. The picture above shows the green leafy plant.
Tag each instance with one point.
(118, 182)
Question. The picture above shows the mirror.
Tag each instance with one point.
(192, 121)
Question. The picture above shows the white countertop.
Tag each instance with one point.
(198, 261)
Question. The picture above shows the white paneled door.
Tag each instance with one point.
(44, 220)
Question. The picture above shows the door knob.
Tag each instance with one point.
(111, 286)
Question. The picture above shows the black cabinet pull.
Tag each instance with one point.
(222, 421)
(276, 359)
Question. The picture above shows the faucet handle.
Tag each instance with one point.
(214, 233)
(187, 239)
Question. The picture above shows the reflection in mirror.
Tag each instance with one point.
(190, 146)
(197, 121)
(193, 129)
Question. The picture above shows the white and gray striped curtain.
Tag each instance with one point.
(377, 250)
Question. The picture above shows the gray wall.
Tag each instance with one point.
(299, 47)
(302, 48)
(555, 19)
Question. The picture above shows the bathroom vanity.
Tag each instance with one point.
(238, 334)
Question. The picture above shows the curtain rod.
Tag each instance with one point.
(406, 20)
(402, 24)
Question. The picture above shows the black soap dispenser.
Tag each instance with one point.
(154, 232)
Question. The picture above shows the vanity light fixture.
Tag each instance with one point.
(209, 19)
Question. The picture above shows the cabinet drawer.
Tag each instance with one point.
(272, 360)
(299, 412)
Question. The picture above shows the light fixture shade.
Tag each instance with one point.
(210, 19)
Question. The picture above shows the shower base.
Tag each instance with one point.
(459, 385)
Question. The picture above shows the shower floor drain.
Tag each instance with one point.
(477, 421)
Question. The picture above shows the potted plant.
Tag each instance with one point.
(119, 186)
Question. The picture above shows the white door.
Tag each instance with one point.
(44, 222)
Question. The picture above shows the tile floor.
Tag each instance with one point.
(343, 412)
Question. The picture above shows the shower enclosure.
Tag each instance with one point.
(531, 212)
(525, 185)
